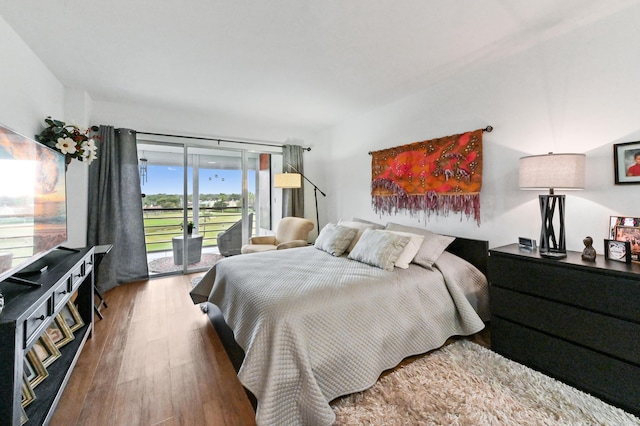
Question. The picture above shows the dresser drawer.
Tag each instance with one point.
(77, 276)
(588, 288)
(61, 293)
(36, 322)
(599, 332)
(608, 378)
(88, 263)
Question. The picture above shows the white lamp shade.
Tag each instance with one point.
(552, 171)
(287, 180)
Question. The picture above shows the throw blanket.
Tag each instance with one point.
(438, 175)
(315, 327)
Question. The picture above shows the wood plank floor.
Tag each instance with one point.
(154, 359)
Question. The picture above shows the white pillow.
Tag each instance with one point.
(432, 246)
(360, 226)
(410, 250)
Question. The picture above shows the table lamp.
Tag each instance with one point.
(552, 171)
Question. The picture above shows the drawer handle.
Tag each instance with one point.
(41, 318)
(79, 275)
(64, 292)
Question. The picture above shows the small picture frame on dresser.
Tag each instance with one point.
(626, 229)
(526, 243)
(620, 251)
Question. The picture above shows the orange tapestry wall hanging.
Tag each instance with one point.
(438, 175)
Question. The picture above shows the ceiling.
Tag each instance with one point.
(307, 64)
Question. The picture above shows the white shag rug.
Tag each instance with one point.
(467, 384)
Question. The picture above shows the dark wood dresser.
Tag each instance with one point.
(573, 320)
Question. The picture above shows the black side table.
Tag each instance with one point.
(99, 253)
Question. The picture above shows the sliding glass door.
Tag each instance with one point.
(216, 205)
(200, 203)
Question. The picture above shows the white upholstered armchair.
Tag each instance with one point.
(291, 232)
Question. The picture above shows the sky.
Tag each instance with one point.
(168, 180)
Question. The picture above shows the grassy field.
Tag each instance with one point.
(160, 226)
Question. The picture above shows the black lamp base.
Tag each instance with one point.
(553, 254)
(549, 246)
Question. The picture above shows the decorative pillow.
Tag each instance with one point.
(379, 248)
(432, 246)
(410, 250)
(334, 239)
(375, 225)
(360, 226)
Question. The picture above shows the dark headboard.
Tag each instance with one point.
(475, 252)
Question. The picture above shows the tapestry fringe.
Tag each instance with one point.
(431, 202)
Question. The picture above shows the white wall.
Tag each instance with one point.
(77, 108)
(577, 93)
(29, 93)
(182, 121)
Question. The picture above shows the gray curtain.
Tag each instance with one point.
(293, 199)
(115, 208)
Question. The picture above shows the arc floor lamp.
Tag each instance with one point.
(294, 180)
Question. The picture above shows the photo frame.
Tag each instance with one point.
(626, 229)
(626, 163)
(620, 251)
(23, 416)
(59, 332)
(72, 317)
(37, 371)
(28, 395)
(29, 370)
(46, 350)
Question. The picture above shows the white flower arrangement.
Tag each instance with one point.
(69, 139)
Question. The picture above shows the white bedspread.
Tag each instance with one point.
(315, 327)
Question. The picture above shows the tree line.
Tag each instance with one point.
(170, 201)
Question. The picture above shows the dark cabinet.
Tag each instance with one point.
(27, 313)
(575, 320)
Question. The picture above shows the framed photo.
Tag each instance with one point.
(28, 369)
(619, 251)
(23, 416)
(46, 350)
(71, 316)
(626, 162)
(626, 229)
(59, 332)
(27, 392)
(36, 371)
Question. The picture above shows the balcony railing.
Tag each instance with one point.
(162, 224)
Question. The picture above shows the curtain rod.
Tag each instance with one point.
(215, 139)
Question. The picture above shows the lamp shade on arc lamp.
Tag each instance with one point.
(294, 180)
(287, 180)
(550, 172)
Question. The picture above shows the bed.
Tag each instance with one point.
(303, 326)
